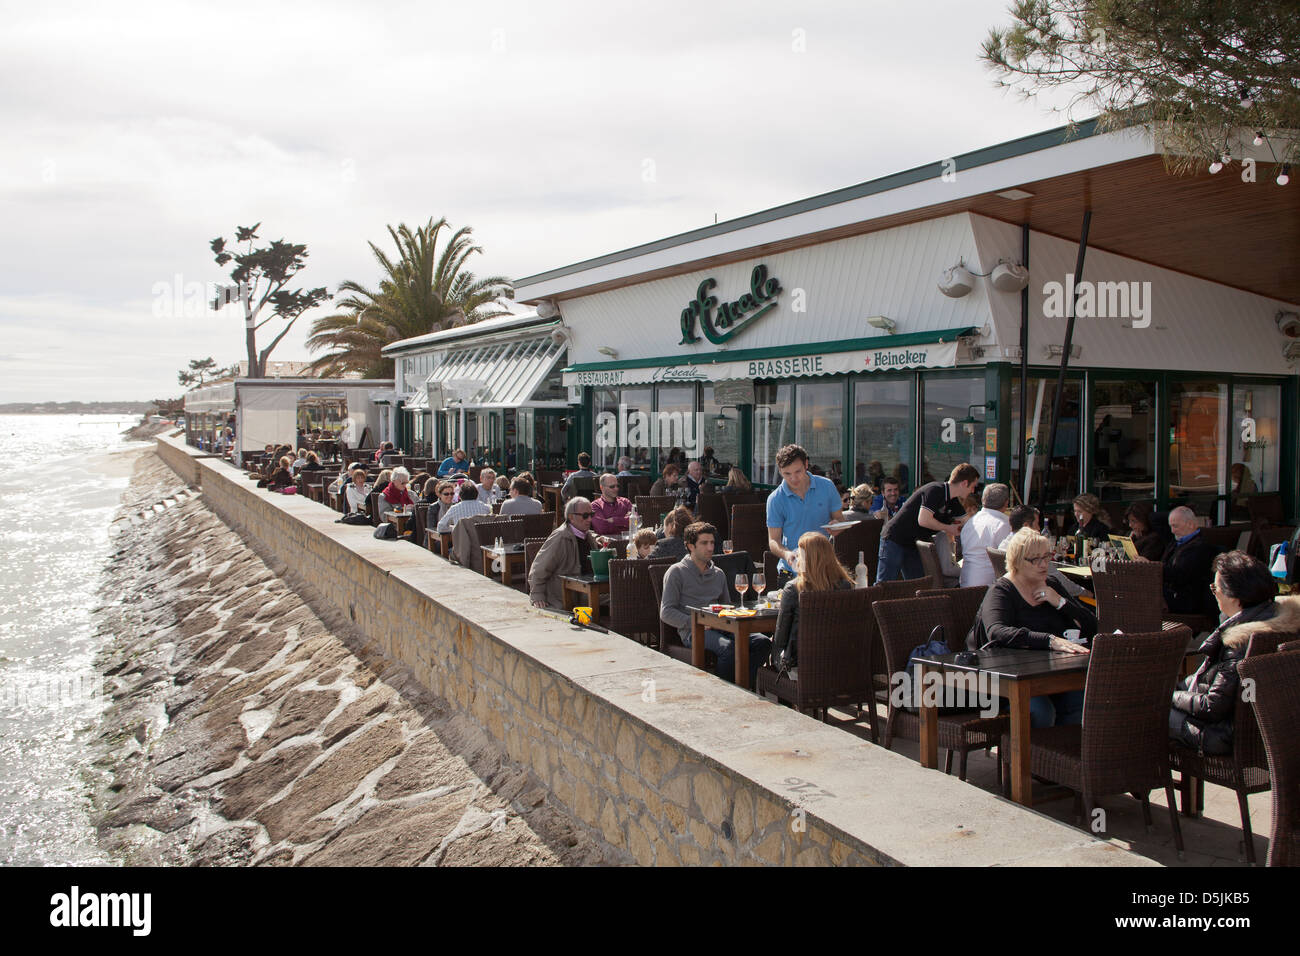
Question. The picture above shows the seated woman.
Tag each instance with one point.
(860, 499)
(1201, 713)
(313, 462)
(395, 494)
(1090, 518)
(819, 570)
(441, 495)
(282, 477)
(1150, 536)
(1030, 609)
(737, 483)
(357, 493)
(671, 544)
(382, 480)
(669, 483)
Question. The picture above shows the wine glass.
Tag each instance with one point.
(742, 585)
(760, 585)
(726, 546)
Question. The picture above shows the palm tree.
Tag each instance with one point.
(421, 292)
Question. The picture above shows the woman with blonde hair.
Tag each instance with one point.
(1090, 518)
(737, 483)
(819, 570)
(860, 498)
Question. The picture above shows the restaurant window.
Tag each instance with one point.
(721, 430)
(638, 411)
(674, 425)
(952, 426)
(1063, 482)
(1198, 445)
(773, 429)
(883, 429)
(1256, 417)
(819, 426)
(1124, 440)
(604, 411)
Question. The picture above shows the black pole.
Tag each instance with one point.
(1024, 359)
(1065, 362)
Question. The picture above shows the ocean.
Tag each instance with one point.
(59, 489)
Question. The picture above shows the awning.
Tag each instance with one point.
(417, 401)
(937, 349)
(384, 397)
(499, 375)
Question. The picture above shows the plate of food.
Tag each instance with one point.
(838, 525)
(737, 612)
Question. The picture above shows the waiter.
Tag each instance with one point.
(933, 507)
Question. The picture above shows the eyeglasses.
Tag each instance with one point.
(582, 514)
(445, 494)
(1043, 560)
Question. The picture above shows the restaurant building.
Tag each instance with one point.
(914, 322)
(492, 388)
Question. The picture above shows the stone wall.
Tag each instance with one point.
(659, 759)
(182, 459)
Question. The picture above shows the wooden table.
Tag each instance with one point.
(400, 517)
(512, 556)
(551, 501)
(586, 592)
(740, 629)
(443, 538)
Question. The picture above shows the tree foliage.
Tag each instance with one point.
(1206, 75)
(421, 291)
(260, 275)
(199, 371)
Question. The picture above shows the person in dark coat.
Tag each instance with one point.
(1150, 534)
(1188, 561)
(1090, 518)
(1200, 716)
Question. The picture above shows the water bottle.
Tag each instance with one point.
(633, 523)
(860, 581)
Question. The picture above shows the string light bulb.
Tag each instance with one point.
(1247, 101)
(1284, 176)
(1216, 166)
(1259, 138)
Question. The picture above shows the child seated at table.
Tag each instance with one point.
(644, 541)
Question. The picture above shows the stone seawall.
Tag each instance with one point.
(653, 756)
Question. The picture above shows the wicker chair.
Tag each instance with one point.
(749, 530)
(834, 663)
(531, 547)
(864, 538)
(905, 624)
(966, 603)
(670, 642)
(631, 486)
(1129, 596)
(539, 525)
(930, 563)
(584, 488)
(999, 561)
(375, 507)
(1245, 769)
(713, 509)
(1277, 708)
(633, 610)
(650, 507)
(1122, 746)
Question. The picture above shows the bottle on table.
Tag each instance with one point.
(860, 572)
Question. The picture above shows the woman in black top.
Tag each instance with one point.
(1029, 608)
(1089, 517)
(819, 570)
(1149, 537)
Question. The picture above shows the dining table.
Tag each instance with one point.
(584, 590)
(399, 518)
(740, 627)
(512, 557)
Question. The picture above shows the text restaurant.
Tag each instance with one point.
(911, 323)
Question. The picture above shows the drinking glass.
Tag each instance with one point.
(726, 546)
(742, 585)
(760, 585)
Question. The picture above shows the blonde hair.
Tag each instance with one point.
(1092, 505)
(1024, 545)
(736, 479)
(863, 494)
(385, 475)
(819, 568)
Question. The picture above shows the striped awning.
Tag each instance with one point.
(498, 374)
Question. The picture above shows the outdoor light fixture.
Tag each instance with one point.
(1288, 323)
(1215, 167)
(720, 423)
(957, 281)
(1259, 138)
(1009, 276)
(547, 309)
(1055, 351)
(1284, 176)
(886, 325)
(606, 350)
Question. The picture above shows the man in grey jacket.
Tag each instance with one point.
(696, 582)
(561, 554)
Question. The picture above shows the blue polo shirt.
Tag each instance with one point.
(795, 516)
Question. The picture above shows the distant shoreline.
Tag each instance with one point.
(76, 408)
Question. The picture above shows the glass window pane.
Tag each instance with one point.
(1063, 483)
(947, 440)
(1256, 417)
(1198, 444)
(1124, 440)
(604, 410)
(773, 429)
(721, 433)
(638, 425)
(883, 429)
(675, 425)
(819, 427)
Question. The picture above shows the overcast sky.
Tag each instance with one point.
(135, 133)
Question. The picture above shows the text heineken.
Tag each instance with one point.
(732, 317)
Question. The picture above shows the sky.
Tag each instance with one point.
(135, 133)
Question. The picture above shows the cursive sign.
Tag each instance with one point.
(732, 318)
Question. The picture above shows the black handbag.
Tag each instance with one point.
(387, 531)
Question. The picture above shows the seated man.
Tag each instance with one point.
(609, 511)
(625, 467)
(487, 491)
(1021, 516)
(694, 482)
(891, 499)
(468, 505)
(521, 500)
(584, 471)
(453, 463)
(986, 529)
(695, 581)
(565, 551)
(1189, 562)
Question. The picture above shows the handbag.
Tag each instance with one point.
(387, 531)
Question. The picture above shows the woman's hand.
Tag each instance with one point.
(543, 604)
(1061, 644)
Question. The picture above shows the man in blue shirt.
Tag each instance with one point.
(802, 502)
(455, 462)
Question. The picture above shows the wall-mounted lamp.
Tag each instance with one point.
(886, 325)
(957, 281)
(970, 421)
(606, 350)
(720, 423)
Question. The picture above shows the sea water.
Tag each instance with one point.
(60, 480)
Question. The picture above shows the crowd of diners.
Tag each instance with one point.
(1032, 606)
